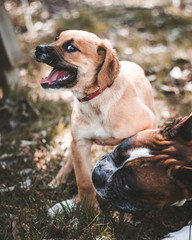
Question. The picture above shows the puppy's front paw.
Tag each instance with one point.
(90, 200)
(54, 183)
(57, 181)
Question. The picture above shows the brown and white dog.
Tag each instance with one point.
(149, 170)
(113, 99)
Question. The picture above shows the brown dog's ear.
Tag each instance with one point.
(110, 67)
(183, 175)
(181, 127)
(185, 130)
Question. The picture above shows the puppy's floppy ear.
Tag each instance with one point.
(110, 67)
(183, 174)
(181, 127)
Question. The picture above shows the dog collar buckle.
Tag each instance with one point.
(110, 84)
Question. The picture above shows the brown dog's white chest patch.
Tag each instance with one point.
(141, 152)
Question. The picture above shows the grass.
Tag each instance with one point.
(30, 158)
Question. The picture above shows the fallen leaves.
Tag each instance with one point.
(14, 222)
(27, 231)
(16, 226)
(24, 151)
(179, 79)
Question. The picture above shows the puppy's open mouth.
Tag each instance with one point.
(60, 78)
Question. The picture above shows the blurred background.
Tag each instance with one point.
(155, 34)
(35, 125)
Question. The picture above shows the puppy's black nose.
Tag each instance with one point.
(98, 178)
(46, 54)
(44, 49)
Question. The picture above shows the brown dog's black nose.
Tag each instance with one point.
(98, 178)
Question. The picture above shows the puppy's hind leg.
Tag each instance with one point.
(63, 173)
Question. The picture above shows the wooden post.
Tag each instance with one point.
(10, 54)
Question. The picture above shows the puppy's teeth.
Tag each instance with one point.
(66, 76)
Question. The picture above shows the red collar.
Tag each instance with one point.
(94, 94)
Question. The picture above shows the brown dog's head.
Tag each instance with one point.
(80, 61)
(151, 169)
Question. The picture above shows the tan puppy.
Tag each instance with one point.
(113, 99)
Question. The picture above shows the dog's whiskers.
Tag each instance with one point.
(50, 61)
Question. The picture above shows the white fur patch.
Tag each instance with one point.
(139, 153)
(179, 203)
(59, 208)
(182, 234)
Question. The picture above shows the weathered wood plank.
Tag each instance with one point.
(10, 53)
(8, 38)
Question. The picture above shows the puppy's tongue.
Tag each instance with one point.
(55, 75)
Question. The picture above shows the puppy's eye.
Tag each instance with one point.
(56, 38)
(70, 48)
